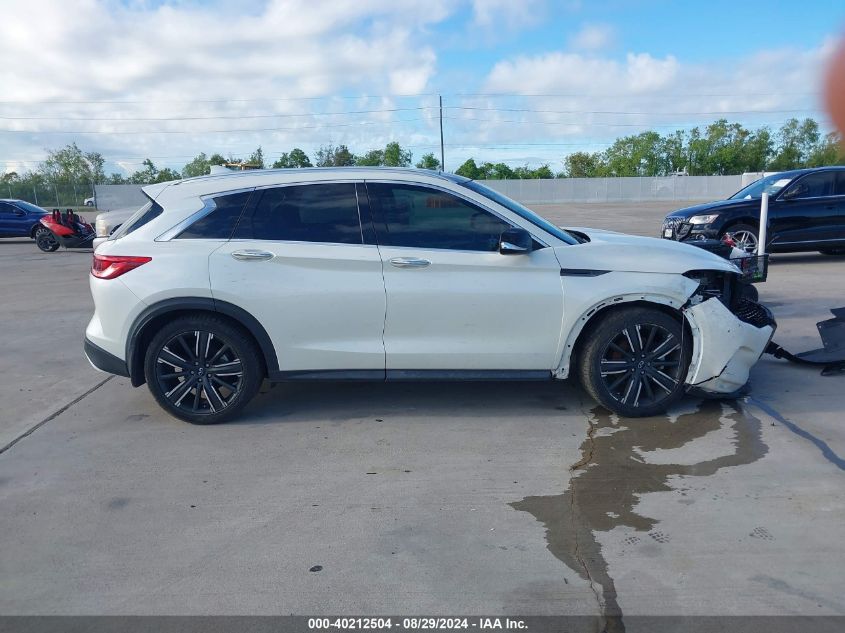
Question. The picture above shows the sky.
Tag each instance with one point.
(522, 82)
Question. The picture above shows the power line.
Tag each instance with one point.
(208, 118)
(266, 129)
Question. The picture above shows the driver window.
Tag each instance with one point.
(408, 215)
(815, 185)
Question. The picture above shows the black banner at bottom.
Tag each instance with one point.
(394, 624)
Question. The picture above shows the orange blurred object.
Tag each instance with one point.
(834, 87)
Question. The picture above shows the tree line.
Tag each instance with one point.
(718, 149)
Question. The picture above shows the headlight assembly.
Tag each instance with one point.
(703, 219)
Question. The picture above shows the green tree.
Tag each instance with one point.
(69, 164)
(198, 166)
(146, 175)
(166, 175)
(429, 161)
(495, 171)
(257, 158)
(468, 170)
(395, 156)
(373, 158)
(331, 156)
(583, 165)
(295, 159)
(829, 151)
(797, 141)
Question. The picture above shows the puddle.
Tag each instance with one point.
(611, 475)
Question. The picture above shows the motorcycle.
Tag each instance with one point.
(63, 229)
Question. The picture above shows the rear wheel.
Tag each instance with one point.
(46, 241)
(745, 236)
(635, 361)
(202, 369)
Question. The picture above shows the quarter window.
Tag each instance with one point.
(220, 223)
(304, 213)
(407, 215)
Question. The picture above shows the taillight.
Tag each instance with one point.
(111, 266)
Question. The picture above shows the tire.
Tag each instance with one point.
(747, 291)
(635, 387)
(186, 351)
(746, 231)
(46, 241)
(833, 251)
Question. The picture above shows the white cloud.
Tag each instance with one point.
(507, 14)
(593, 37)
(162, 57)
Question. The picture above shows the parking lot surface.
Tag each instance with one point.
(472, 498)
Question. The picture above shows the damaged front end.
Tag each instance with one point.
(729, 332)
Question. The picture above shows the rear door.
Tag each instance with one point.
(298, 263)
(453, 301)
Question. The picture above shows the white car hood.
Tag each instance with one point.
(607, 250)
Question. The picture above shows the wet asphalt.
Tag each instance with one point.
(471, 498)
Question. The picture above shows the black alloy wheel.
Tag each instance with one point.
(202, 369)
(635, 362)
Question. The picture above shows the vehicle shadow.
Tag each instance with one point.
(803, 258)
(334, 401)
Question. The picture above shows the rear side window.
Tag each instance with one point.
(221, 221)
(145, 214)
(304, 213)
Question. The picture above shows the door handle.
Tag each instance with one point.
(252, 255)
(409, 262)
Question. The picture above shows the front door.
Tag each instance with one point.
(453, 301)
(808, 211)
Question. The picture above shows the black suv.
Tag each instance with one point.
(806, 213)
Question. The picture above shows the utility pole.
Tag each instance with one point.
(442, 153)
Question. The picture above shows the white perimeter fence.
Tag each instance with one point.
(549, 191)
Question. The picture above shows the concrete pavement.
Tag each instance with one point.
(428, 498)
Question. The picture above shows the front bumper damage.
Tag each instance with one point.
(726, 344)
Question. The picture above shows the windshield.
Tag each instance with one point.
(770, 185)
(521, 211)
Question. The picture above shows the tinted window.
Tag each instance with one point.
(815, 185)
(6, 209)
(220, 223)
(305, 213)
(31, 208)
(145, 214)
(406, 215)
(840, 184)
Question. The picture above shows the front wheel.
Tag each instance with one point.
(46, 241)
(202, 369)
(635, 360)
(745, 236)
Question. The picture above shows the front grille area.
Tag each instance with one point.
(679, 227)
(753, 313)
(670, 223)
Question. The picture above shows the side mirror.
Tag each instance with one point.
(515, 242)
(795, 191)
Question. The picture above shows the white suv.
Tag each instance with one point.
(395, 274)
